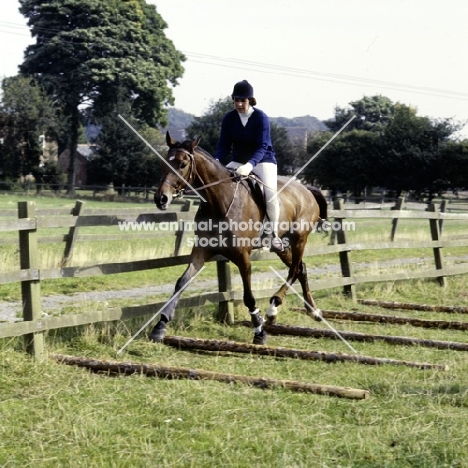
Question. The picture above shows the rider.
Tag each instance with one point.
(246, 130)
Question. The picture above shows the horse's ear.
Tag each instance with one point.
(170, 142)
(196, 141)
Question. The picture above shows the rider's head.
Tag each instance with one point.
(243, 96)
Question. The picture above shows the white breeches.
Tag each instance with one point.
(267, 173)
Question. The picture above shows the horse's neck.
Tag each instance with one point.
(209, 172)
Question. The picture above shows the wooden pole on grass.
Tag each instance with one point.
(411, 306)
(355, 336)
(377, 318)
(234, 347)
(169, 372)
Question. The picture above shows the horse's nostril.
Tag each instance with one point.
(162, 199)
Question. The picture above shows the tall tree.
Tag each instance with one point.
(87, 50)
(372, 114)
(454, 157)
(412, 158)
(26, 113)
(287, 156)
(348, 164)
(208, 126)
(121, 158)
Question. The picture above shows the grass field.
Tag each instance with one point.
(59, 416)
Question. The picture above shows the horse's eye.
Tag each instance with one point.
(183, 165)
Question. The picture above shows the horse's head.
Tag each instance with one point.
(178, 172)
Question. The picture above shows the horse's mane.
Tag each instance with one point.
(187, 144)
(205, 153)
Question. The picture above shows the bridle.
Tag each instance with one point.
(191, 175)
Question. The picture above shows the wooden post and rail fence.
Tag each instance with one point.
(28, 221)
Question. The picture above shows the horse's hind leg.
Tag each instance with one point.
(197, 259)
(311, 307)
(277, 298)
(297, 270)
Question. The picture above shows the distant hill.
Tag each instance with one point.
(178, 121)
(178, 118)
(312, 124)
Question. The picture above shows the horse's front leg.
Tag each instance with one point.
(245, 269)
(197, 260)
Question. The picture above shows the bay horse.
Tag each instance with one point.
(229, 223)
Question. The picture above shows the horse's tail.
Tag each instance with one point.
(321, 201)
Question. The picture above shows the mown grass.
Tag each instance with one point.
(54, 415)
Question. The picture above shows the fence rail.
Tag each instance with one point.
(28, 222)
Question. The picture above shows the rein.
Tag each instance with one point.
(233, 177)
(192, 173)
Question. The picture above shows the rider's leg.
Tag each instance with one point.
(267, 172)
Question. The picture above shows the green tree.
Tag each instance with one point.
(454, 157)
(372, 114)
(287, 156)
(412, 160)
(387, 145)
(208, 126)
(87, 50)
(122, 158)
(26, 112)
(348, 164)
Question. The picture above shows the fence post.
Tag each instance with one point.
(398, 206)
(225, 308)
(435, 236)
(72, 234)
(443, 207)
(31, 289)
(345, 261)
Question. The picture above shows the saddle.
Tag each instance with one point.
(255, 186)
(256, 189)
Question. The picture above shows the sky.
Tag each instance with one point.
(306, 57)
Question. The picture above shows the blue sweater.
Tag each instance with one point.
(251, 143)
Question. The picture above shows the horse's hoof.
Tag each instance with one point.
(260, 338)
(317, 315)
(271, 314)
(270, 319)
(158, 333)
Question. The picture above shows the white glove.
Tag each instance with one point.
(244, 170)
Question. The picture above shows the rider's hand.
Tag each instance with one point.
(244, 170)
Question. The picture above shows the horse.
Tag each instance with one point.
(230, 222)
